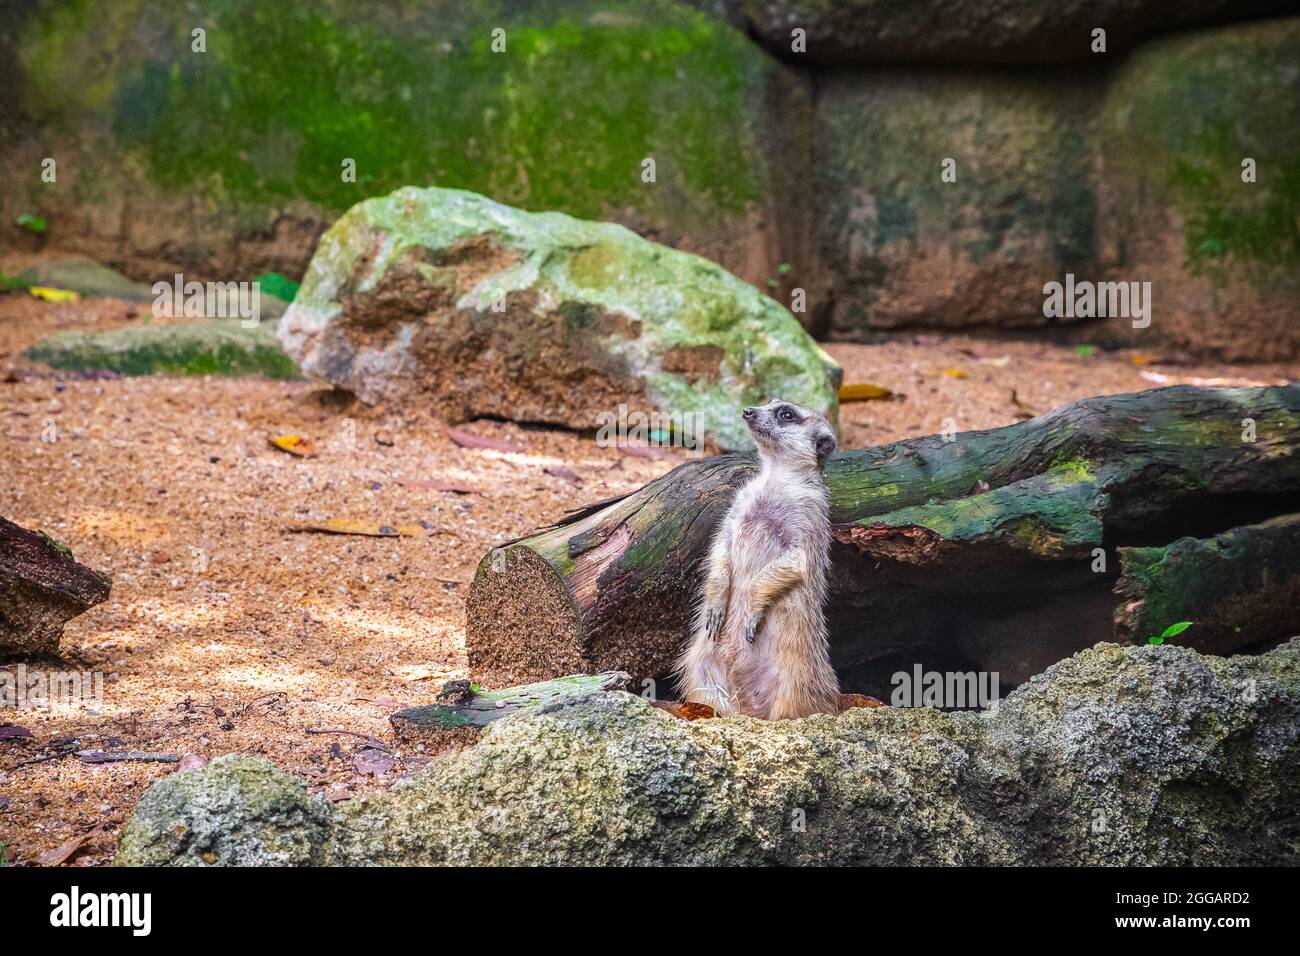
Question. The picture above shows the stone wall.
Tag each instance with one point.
(805, 161)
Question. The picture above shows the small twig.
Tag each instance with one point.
(43, 758)
(121, 756)
(377, 744)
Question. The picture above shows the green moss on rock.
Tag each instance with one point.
(541, 317)
(206, 347)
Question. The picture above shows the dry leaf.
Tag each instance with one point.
(370, 529)
(469, 440)
(641, 451)
(1022, 410)
(686, 709)
(427, 484)
(863, 392)
(850, 701)
(568, 474)
(371, 761)
(193, 762)
(54, 295)
(1000, 362)
(1140, 358)
(953, 373)
(61, 854)
(11, 731)
(294, 445)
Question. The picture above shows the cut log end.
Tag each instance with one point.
(521, 621)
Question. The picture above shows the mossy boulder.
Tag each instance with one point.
(1116, 756)
(203, 347)
(947, 199)
(1182, 122)
(236, 811)
(482, 309)
(870, 32)
(231, 160)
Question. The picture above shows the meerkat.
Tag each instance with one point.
(759, 644)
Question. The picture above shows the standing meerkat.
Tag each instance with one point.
(759, 646)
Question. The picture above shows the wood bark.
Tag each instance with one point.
(41, 587)
(986, 550)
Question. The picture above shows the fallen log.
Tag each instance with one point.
(1244, 581)
(41, 587)
(464, 704)
(985, 550)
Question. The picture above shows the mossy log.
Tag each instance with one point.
(41, 587)
(1245, 581)
(990, 550)
(464, 704)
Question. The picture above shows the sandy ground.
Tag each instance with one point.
(228, 633)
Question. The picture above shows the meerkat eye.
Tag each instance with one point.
(786, 414)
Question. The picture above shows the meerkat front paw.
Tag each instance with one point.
(752, 625)
(714, 617)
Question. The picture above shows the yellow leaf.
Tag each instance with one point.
(54, 295)
(953, 373)
(1138, 358)
(863, 392)
(294, 445)
(371, 529)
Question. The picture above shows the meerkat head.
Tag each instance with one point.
(790, 433)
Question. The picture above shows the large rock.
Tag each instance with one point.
(236, 811)
(201, 347)
(1129, 175)
(487, 310)
(908, 248)
(230, 162)
(1222, 255)
(1117, 756)
(869, 32)
(41, 587)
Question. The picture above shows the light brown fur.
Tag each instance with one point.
(759, 646)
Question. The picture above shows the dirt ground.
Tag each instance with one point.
(226, 632)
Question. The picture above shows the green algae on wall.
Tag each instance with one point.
(1184, 114)
(415, 93)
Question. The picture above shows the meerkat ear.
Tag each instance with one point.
(825, 445)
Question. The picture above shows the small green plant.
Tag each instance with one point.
(1084, 351)
(783, 269)
(1173, 630)
(10, 283)
(272, 283)
(32, 223)
(4, 855)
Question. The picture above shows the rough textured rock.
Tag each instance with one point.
(487, 310)
(870, 32)
(910, 249)
(1117, 756)
(236, 811)
(202, 347)
(227, 163)
(1130, 174)
(89, 278)
(1222, 255)
(41, 587)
